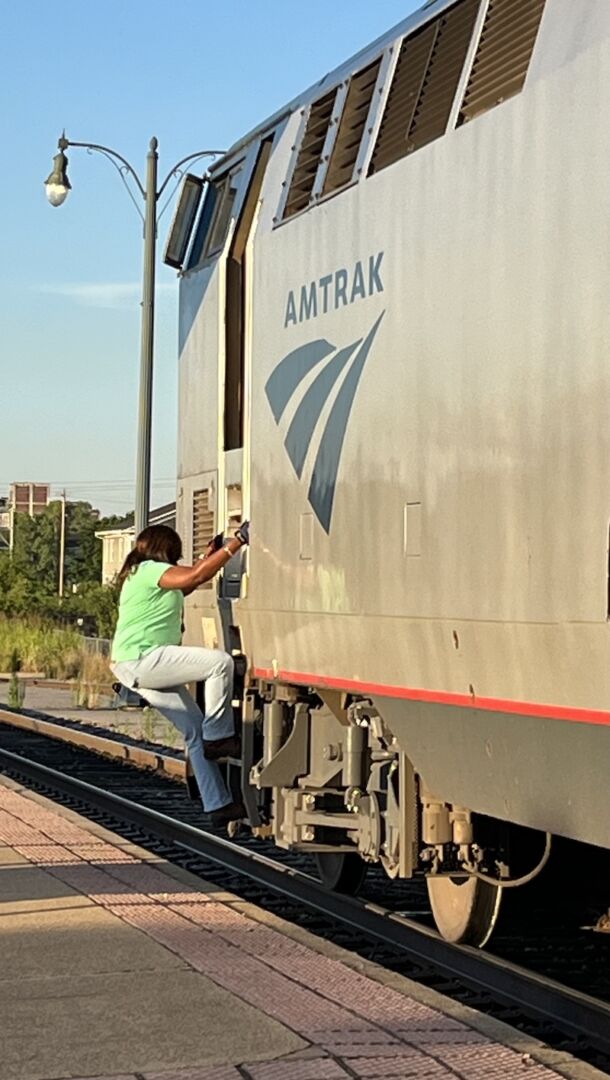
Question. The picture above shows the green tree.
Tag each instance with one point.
(36, 549)
(29, 579)
(83, 560)
(37, 546)
(96, 600)
(18, 594)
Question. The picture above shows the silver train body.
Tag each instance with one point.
(394, 339)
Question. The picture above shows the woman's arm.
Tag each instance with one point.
(188, 578)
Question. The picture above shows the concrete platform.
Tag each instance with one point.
(58, 702)
(118, 966)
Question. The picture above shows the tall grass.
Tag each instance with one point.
(41, 647)
(94, 686)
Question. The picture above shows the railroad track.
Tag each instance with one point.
(121, 748)
(583, 1020)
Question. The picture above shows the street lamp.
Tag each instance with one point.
(57, 187)
(57, 183)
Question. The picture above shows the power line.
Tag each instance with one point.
(92, 483)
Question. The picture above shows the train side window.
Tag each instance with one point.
(214, 218)
(503, 55)
(203, 225)
(310, 153)
(425, 83)
(225, 200)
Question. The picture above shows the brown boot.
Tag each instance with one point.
(232, 812)
(214, 749)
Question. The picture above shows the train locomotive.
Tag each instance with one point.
(394, 357)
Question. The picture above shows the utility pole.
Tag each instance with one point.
(142, 504)
(62, 544)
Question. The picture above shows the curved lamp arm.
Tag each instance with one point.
(64, 143)
(185, 161)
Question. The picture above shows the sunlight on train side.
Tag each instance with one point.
(425, 82)
(469, 59)
(503, 55)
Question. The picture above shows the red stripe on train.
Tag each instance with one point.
(520, 708)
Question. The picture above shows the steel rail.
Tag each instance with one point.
(130, 752)
(536, 995)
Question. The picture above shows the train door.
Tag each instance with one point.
(236, 420)
(235, 451)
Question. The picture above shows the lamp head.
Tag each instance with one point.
(57, 183)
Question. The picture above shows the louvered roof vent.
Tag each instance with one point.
(351, 127)
(503, 55)
(425, 84)
(309, 154)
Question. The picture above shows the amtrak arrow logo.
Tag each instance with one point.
(281, 386)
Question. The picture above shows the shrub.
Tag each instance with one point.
(38, 645)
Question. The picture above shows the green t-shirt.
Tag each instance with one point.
(149, 616)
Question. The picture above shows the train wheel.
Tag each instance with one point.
(341, 872)
(465, 909)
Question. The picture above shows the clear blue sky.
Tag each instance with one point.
(195, 74)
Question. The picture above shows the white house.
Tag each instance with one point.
(118, 542)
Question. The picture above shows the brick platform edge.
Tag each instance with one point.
(356, 1024)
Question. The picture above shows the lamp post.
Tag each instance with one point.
(58, 186)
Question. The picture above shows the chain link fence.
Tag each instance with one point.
(97, 646)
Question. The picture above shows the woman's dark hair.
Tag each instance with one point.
(158, 543)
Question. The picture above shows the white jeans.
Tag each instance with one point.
(159, 677)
